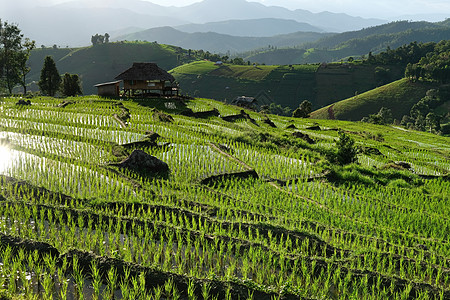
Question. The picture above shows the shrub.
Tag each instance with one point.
(346, 150)
(303, 110)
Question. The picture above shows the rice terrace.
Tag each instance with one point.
(227, 150)
(245, 210)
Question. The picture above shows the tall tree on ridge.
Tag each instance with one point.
(50, 79)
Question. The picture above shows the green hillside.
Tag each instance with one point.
(284, 85)
(398, 96)
(102, 63)
(169, 205)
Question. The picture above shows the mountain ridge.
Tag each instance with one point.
(56, 22)
(216, 42)
(250, 28)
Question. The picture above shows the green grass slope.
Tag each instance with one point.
(399, 96)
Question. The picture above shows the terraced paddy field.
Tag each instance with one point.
(234, 204)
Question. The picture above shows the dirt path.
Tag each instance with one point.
(331, 113)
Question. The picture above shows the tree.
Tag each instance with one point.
(70, 85)
(99, 39)
(386, 115)
(10, 46)
(24, 55)
(50, 79)
(432, 122)
(303, 110)
(346, 150)
(382, 76)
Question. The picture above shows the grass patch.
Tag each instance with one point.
(398, 96)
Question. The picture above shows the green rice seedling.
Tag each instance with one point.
(112, 283)
(206, 290)
(142, 290)
(175, 293)
(78, 277)
(38, 270)
(48, 287)
(168, 287)
(125, 290)
(191, 290)
(63, 281)
(157, 292)
(250, 295)
(96, 280)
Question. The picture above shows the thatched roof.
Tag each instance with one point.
(145, 71)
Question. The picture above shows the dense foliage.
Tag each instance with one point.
(99, 39)
(303, 110)
(434, 66)
(70, 85)
(14, 53)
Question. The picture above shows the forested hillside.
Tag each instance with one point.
(419, 101)
(355, 43)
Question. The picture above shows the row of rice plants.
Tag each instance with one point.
(55, 146)
(61, 117)
(167, 253)
(77, 130)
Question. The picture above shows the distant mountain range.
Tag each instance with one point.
(305, 47)
(220, 43)
(73, 23)
(251, 28)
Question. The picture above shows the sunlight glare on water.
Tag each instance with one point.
(5, 158)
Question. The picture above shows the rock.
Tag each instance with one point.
(222, 177)
(162, 117)
(370, 150)
(201, 114)
(143, 162)
(242, 115)
(187, 112)
(304, 137)
(270, 123)
(23, 102)
(403, 164)
(152, 136)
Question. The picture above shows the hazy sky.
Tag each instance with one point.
(365, 8)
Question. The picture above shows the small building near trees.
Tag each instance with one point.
(109, 89)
